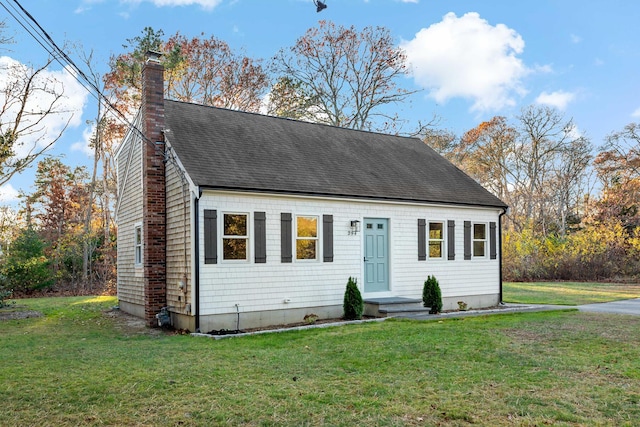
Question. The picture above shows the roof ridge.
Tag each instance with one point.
(195, 104)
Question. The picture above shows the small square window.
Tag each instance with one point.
(479, 240)
(307, 237)
(235, 237)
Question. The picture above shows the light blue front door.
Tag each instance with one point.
(376, 255)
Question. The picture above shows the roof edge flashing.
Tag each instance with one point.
(348, 197)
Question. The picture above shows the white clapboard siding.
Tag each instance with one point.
(263, 287)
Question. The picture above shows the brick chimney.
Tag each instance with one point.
(154, 222)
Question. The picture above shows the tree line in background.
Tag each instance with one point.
(573, 211)
(573, 215)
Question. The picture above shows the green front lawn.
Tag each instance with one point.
(78, 365)
(567, 293)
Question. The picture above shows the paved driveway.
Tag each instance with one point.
(628, 306)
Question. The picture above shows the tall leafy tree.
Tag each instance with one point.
(202, 70)
(486, 152)
(124, 79)
(340, 76)
(61, 195)
(620, 158)
(618, 168)
(209, 72)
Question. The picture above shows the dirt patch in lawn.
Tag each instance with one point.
(131, 325)
(16, 313)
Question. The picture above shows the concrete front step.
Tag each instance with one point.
(389, 306)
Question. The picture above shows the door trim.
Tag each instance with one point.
(370, 248)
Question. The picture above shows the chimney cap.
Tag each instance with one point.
(153, 56)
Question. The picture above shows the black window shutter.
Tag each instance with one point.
(210, 236)
(467, 240)
(260, 233)
(422, 239)
(327, 238)
(285, 237)
(492, 241)
(451, 240)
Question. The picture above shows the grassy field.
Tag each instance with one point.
(568, 293)
(79, 364)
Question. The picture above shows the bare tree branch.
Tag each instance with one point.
(27, 100)
(340, 76)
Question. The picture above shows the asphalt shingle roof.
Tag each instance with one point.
(226, 149)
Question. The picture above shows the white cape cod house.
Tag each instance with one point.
(238, 219)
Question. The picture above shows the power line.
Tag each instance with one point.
(33, 28)
(26, 27)
(40, 35)
(44, 39)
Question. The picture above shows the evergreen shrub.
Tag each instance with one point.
(431, 295)
(353, 304)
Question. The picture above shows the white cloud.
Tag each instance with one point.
(575, 39)
(84, 146)
(543, 69)
(469, 58)
(68, 109)
(558, 99)
(205, 4)
(636, 113)
(8, 194)
(86, 6)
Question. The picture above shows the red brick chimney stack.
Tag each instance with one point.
(154, 223)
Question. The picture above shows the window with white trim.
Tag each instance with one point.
(436, 240)
(306, 237)
(479, 240)
(137, 244)
(235, 236)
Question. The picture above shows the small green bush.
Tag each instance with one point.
(5, 294)
(353, 304)
(431, 295)
(24, 267)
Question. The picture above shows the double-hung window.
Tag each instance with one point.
(137, 242)
(235, 238)
(436, 239)
(306, 237)
(479, 240)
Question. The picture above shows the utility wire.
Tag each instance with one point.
(47, 42)
(35, 30)
(40, 35)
